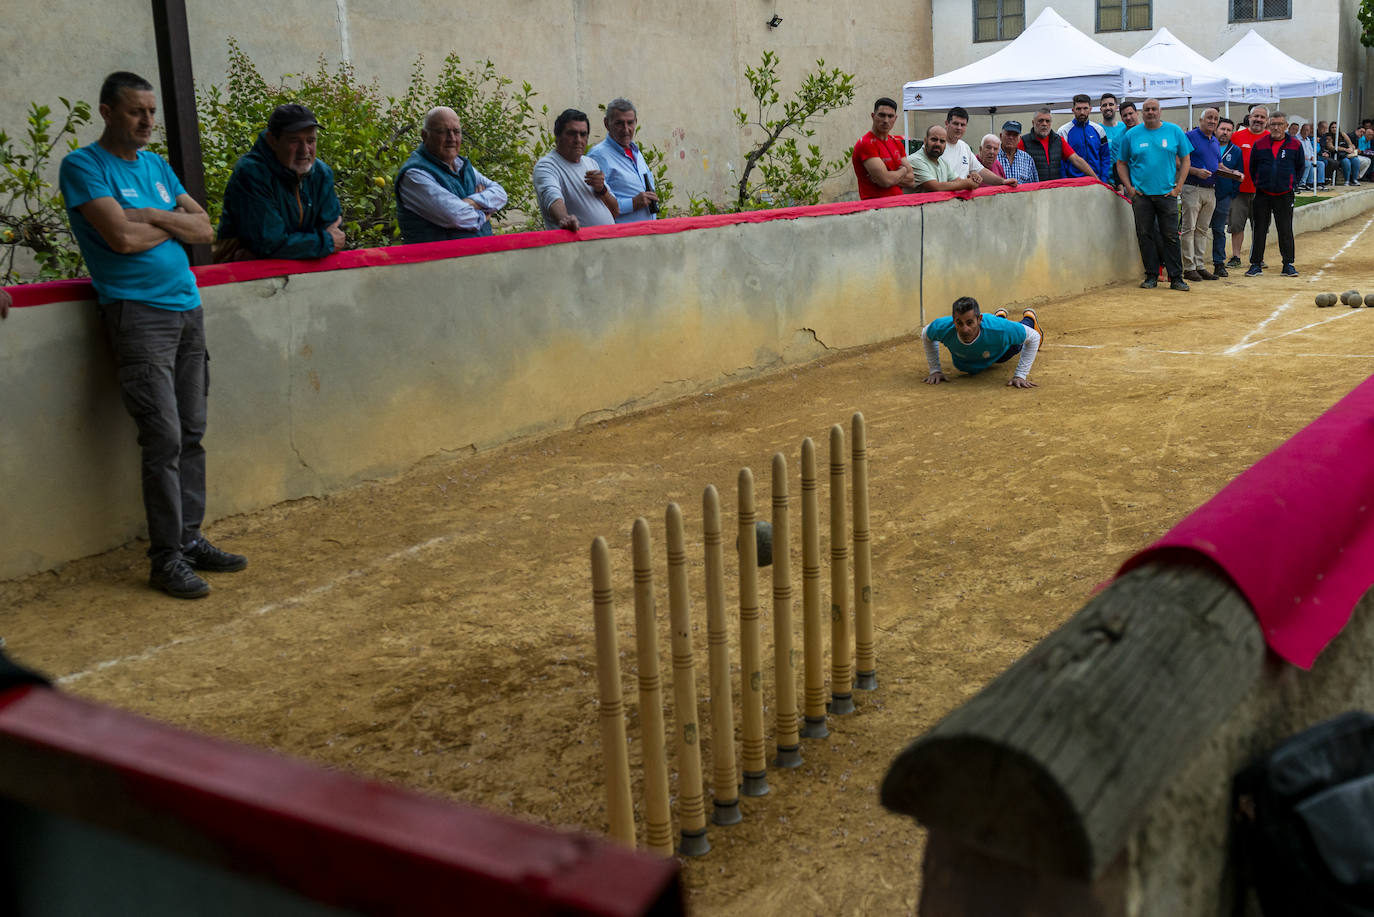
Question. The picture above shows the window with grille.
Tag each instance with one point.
(1126, 15)
(998, 20)
(1259, 10)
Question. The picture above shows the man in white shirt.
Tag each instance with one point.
(958, 154)
(571, 189)
(439, 195)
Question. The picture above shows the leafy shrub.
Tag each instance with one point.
(32, 215)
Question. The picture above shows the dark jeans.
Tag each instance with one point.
(164, 377)
(1156, 229)
(1220, 217)
(1015, 349)
(1281, 206)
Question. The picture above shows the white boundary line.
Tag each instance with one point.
(1245, 342)
(152, 651)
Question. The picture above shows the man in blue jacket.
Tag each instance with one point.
(1088, 140)
(1230, 172)
(1275, 161)
(280, 202)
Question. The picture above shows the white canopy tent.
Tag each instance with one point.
(1211, 83)
(1050, 61)
(1254, 59)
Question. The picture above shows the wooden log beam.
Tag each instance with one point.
(179, 104)
(1052, 764)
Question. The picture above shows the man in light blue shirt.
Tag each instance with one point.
(1152, 167)
(129, 214)
(627, 174)
(977, 342)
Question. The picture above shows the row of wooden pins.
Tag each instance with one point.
(725, 786)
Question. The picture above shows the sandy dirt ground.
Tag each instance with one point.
(435, 629)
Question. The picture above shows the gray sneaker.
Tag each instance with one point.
(204, 556)
(176, 578)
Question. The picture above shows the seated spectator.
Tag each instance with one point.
(1052, 153)
(627, 174)
(439, 195)
(1362, 144)
(572, 191)
(1343, 150)
(1016, 163)
(280, 200)
(1314, 170)
(992, 172)
(1089, 140)
(932, 171)
(879, 158)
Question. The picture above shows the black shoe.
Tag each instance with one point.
(1149, 283)
(204, 556)
(176, 578)
(1220, 270)
(1289, 271)
(1234, 262)
(1178, 283)
(1254, 271)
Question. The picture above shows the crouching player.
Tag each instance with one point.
(977, 341)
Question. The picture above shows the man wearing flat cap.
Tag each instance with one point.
(280, 202)
(1016, 163)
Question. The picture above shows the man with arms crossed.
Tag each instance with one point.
(879, 158)
(439, 195)
(978, 341)
(1257, 125)
(129, 213)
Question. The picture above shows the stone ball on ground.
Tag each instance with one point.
(1351, 298)
(1369, 300)
(1326, 299)
(763, 538)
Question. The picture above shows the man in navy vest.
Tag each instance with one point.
(439, 195)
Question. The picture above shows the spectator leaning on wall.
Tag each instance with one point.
(571, 189)
(280, 201)
(130, 214)
(879, 158)
(627, 174)
(439, 195)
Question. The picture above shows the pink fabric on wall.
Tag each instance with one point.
(38, 294)
(1296, 531)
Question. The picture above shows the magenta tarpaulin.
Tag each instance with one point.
(1295, 532)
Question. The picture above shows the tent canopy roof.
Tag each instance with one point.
(1211, 83)
(1050, 61)
(1253, 59)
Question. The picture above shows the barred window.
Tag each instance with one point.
(1259, 10)
(998, 20)
(1126, 15)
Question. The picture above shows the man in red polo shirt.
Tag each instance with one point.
(1257, 126)
(880, 156)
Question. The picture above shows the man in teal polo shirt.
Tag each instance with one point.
(129, 214)
(1153, 166)
(439, 195)
(977, 342)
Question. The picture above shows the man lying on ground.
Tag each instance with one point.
(978, 341)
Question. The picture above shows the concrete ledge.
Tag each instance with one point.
(1325, 214)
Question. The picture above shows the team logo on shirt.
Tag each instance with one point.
(162, 191)
(129, 192)
(987, 355)
(1164, 142)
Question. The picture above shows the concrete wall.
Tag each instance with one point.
(683, 64)
(322, 380)
(1323, 33)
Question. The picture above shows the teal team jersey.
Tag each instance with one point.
(1152, 156)
(997, 336)
(160, 276)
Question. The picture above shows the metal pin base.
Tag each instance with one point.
(694, 843)
(841, 704)
(866, 681)
(725, 813)
(813, 727)
(755, 784)
(788, 756)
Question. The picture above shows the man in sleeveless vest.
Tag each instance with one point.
(439, 195)
(1050, 152)
(280, 202)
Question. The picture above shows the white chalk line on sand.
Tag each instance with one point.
(227, 626)
(1260, 353)
(1246, 342)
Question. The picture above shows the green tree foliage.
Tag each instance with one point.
(1366, 15)
(787, 176)
(32, 215)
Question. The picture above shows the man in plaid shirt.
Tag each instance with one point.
(1016, 163)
